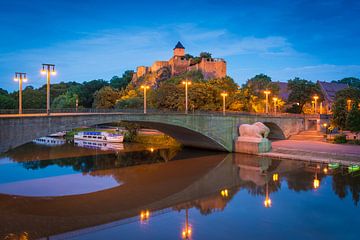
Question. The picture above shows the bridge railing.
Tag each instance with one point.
(151, 111)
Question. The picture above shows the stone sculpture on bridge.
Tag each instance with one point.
(257, 130)
(253, 138)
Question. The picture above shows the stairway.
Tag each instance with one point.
(309, 135)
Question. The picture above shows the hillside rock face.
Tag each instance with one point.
(152, 78)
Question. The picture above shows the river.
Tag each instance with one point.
(138, 191)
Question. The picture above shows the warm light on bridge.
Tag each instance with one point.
(144, 215)
(275, 177)
(224, 193)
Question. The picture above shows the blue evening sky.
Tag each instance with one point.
(316, 40)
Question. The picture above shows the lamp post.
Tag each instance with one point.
(20, 77)
(275, 103)
(144, 87)
(48, 69)
(267, 92)
(186, 83)
(348, 104)
(316, 97)
(224, 95)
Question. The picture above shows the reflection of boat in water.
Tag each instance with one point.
(99, 137)
(99, 145)
(49, 141)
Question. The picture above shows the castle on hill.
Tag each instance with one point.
(179, 63)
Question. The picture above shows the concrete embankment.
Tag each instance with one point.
(315, 151)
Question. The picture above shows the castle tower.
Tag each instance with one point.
(179, 50)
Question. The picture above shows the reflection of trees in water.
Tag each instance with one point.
(259, 190)
(343, 184)
(105, 161)
(210, 204)
(301, 180)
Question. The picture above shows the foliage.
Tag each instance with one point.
(302, 92)
(106, 97)
(353, 119)
(205, 55)
(130, 103)
(66, 100)
(349, 93)
(6, 101)
(339, 113)
(131, 131)
(121, 82)
(351, 81)
(253, 92)
(340, 138)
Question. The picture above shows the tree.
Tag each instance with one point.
(106, 97)
(302, 91)
(351, 81)
(122, 82)
(205, 55)
(339, 113)
(7, 102)
(349, 93)
(66, 100)
(353, 119)
(86, 91)
(253, 92)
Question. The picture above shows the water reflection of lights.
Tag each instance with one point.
(316, 183)
(187, 230)
(275, 177)
(144, 215)
(325, 170)
(267, 202)
(224, 193)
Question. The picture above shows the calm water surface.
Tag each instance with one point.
(137, 192)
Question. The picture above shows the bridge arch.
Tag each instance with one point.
(275, 131)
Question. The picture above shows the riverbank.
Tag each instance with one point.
(315, 151)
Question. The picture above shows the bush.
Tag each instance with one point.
(341, 138)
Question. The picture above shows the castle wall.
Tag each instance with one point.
(141, 71)
(178, 65)
(212, 68)
(159, 64)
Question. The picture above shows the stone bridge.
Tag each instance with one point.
(210, 131)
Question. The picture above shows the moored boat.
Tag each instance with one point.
(99, 137)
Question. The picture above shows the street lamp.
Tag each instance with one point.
(348, 104)
(186, 83)
(316, 97)
(144, 87)
(224, 95)
(48, 69)
(275, 99)
(20, 77)
(267, 92)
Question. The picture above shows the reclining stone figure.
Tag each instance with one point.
(256, 130)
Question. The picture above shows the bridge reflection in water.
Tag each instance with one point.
(174, 180)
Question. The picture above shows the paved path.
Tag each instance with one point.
(317, 146)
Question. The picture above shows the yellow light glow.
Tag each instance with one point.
(267, 202)
(151, 149)
(316, 97)
(275, 99)
(316, 183)
(144, 215)
(267, 92)
(53, 72)
(186, 82)
(25, 79)
(224, 193)
(224, 94)
(186, 233)
(43, 71)
(16, 79)
(325, 170)
(145, 87)
(275, 177)
(325, 125)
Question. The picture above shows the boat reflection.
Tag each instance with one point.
(104, 146)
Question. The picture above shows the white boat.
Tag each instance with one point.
(49, 141)
(58, 134)
(99, 145)
(99, 137)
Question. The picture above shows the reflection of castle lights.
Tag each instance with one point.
(275, 177)
(325, 170)
(144, 215)
(151, 149)
(224, 193)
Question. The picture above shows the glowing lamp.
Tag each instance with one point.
(224, 193)
(43, 72)
(316, 183)
(267, 202)
(16, 79)
(53, 72)
(275, 177)
(144, 215)
(186, 233)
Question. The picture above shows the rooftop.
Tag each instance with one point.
(179, 45)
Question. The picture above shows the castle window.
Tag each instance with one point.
(182, 58)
